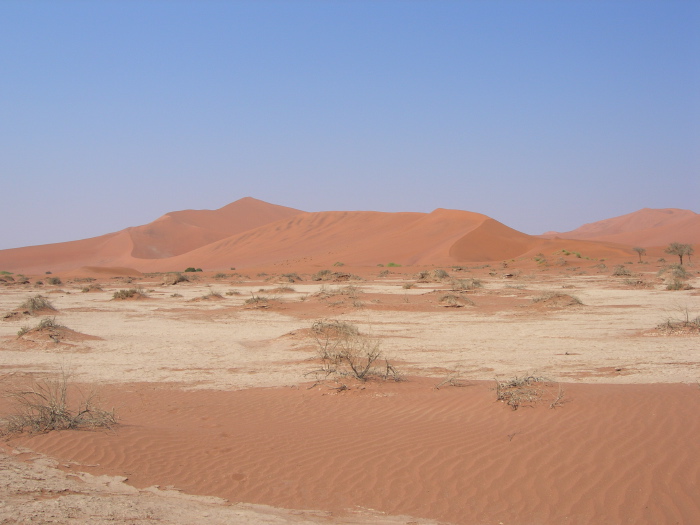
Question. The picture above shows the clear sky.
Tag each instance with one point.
(544, 115)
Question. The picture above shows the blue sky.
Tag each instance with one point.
(543, 115)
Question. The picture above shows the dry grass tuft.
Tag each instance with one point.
(520, 391)
(131, 293)
(54, 404)
(36, 304)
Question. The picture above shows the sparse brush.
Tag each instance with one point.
(621, 271)
(283, 289)
(174, 278)
(322, 275)
(519, 391)
(233, 292)
(557, 297)
(54, 280)
(384, 273)
(257, 300)
(37, 303)
(212, 294)
(136, 293)
(221, 275)
(48, 323)
(92, 288)
(49, 404)
(408, 286)
(290, 277)
(465, 284)
(455, 301)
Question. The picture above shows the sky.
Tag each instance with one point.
(543, 115)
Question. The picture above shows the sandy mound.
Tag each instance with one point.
(452, 454)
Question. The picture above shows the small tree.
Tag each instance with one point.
(641, 251)
(679, 249)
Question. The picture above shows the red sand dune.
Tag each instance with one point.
(610, 454)
(645, 228)
(251, 232)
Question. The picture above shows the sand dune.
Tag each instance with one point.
(645, 228)
(613, 454)
(250, 232)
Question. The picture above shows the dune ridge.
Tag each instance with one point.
(251, 232)
(646, 228)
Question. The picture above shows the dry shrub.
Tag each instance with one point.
(345, 353)
(556, 299)
(621, 271)
(684, 324)
(36, 303)
(520, 391)
(131, 293)
(54, 404)
(455, 301)
(465, 284)
(91, 288)
(435, 275)
(174, 278)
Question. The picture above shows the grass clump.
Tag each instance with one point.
(345, 353)
(455, 301)
(91, 288)
(131, 293)
(322, 275)
(519, 391)
(465, 284)
(557, 299)
(54, 404)
(54, 280)
(174, 278)
(621, 271)
(37, 303)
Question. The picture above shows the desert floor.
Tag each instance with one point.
(227, 415)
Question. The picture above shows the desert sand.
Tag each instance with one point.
(227, 414)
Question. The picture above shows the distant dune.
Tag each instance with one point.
(645, 228)
(250, 232)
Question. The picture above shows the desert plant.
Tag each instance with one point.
(408, 286)
(322, 275)
(174, 278)
(136, 293)
(344, 352)
(338, 263)
(519, 391)
(621, 271)
(220, 275)
(465, 284)
(640, 251)
(36, 303)
(54, 280)
(384, 273)
(455, 301)
(48, 404)
(679, 249)
(91, 287)
(393, 265)
(556, 297)
(191, 269)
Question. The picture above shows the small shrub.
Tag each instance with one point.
(322, 275)
(135, 293)
(455, 301)
(519, 391)
(233, 292)
(557, 299)
(621, 271)
(190, 269)
(174, 278)
(393, 265)
(408, 286)
(91, 288)
(291, 277)
(50, 404)
(37, 303)
(345, 353)
(338, 263)
(384, 273)
(54, 281)
(465, 284)
(220, 275)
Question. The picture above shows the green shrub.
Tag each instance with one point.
(393, 265)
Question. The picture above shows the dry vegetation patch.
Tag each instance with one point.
(48, 404)
(131, 293)
(528, 391)
(556, 300)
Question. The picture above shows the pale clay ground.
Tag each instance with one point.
(219, 345)
(216, 344)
